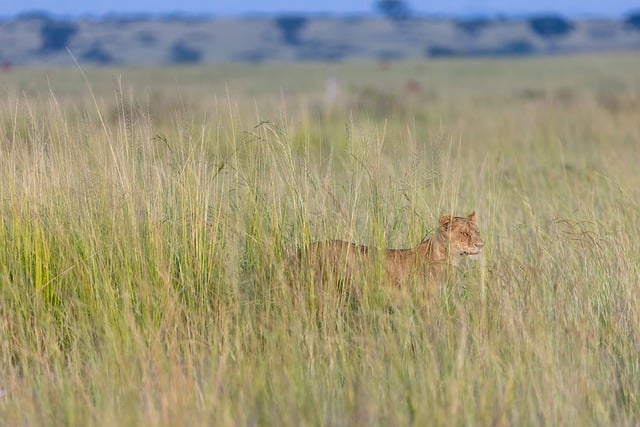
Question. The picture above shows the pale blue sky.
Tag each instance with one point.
(610, 8)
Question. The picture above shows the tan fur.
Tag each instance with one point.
(455, 238)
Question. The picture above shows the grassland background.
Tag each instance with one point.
(147, 217)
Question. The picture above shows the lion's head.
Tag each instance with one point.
(460, 234)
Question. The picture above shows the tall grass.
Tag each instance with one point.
(146, 233)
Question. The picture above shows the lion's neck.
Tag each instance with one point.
(437, 252)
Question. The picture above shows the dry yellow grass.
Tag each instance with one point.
(145, 233)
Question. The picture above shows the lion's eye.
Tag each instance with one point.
(466, 234)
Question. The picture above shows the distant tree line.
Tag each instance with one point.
(57, 34)
(396, 10)
(633, 20)
(290, 27)
(550, 26)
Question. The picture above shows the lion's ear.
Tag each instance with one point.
(445, 221)
(473, 217)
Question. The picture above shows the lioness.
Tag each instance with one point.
(456, 237)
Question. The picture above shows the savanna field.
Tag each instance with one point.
(148, 218)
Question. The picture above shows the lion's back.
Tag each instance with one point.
(334, 250)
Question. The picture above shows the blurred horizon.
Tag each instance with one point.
(336, 8)
(157, 37)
